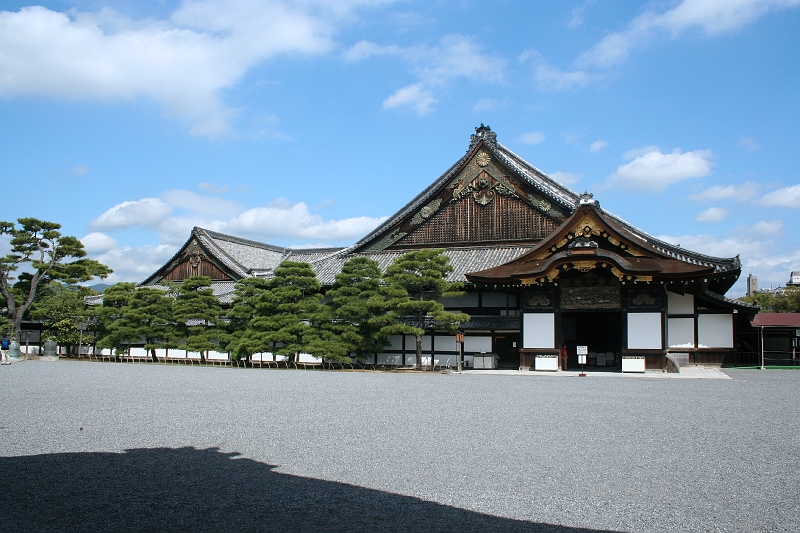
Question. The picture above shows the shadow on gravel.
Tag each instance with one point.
(206, 490)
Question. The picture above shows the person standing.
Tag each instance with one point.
(4, 346)
(564, 356)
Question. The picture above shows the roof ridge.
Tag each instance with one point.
(240, 240)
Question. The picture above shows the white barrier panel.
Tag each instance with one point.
(308, 358)
(138, 352)
(538, 330)
(715, 331)
(390, 359)
(680, 332)
(680, 304)
(644, 331)
(217, 356)
(477, 344)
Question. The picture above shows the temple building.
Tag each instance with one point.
(543, 266)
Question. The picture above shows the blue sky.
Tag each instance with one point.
(308, 122)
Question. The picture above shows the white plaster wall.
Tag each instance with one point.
(644, 331)
(680, 332)
(411, 343)
(715, 331)
(476, 344)
(680, 304)
(538, 330)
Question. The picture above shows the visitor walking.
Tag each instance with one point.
(4, 346)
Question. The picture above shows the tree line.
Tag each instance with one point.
(787, 301)
(286, 314)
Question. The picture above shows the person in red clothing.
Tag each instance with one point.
(564, 356)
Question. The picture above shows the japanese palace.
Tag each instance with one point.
(543, 268)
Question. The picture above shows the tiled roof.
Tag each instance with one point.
(777, 320)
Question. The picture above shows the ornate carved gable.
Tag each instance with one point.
(485, 202)
(193, 260)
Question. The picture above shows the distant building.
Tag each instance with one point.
(794, 279)
(752, 285)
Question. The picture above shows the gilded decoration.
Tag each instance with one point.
(544, 205)
(644, 299)
(194, 258)
(426, 212)
(483, 188)
(389, 240)
(483, 159)
(592, 297)
(538, 300)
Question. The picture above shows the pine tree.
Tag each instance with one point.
(354, 314)
(247, 293)
(198, 312)
(285, 310)
(113, 329)
(148, 314)
(414, 284)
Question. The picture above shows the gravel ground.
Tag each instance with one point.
(107, 446)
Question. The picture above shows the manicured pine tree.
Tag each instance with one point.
(354, 314)
(198, 312)
(286, 309)
(415, 282)
(113, 329)
(247, 294)
(148, 315)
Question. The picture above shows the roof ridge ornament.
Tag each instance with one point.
(482, 133)
(587, 198)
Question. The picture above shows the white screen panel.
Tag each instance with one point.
(680, 332)
(538, 330)
(715, 331)
(446, 343)
(644, 331)
(478, 344)
(678, 304)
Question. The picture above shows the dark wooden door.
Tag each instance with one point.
(507, 347)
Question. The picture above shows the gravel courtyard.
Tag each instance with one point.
(146, 447)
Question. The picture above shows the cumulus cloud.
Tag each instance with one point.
(283, 218)
(566, 178)
(135, 264)
(454, 56)
(145, 213)
(414, 96)
(96, 242)
(712, 215)
(183, 62)
(739, 193)
(598, 145)
(772, 227)
(785, 197)
(213, 188)
(653, 170)
(534, 137)
(712, 17)
(198, 203)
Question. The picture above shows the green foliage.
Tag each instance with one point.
(38, 247)
(247, 293)
(198, 314)
(112, 328)
(354, 316)
(62, 310)
(788, 302)
(284, 312)
(414, 283)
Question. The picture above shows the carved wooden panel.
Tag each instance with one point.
(469, 222)
(189, 267)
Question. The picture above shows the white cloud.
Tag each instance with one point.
(282, 218)
(80, 170)
(711, 16)
(655, 170)
(748, 143)
(198, 203)
(577, 13)
(548, 77)
(182, 63)
(739, 193)
(534, 137)
(213, 188)
(566, 178)
(773, 227)
(712, 215)
(96, 242)
(145, 213)
(454, 56)
(785, 197)
(135, 264)
(487, 104)
(598, 145)
(414, 96)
